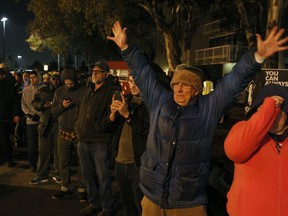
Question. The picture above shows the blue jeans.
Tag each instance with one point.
(64, 155)
(127, 176)
(94, 161)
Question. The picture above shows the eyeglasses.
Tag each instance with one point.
(181, 85)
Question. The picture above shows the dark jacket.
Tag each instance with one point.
(67, 116)
(8, 99)
(46, 121)
(175, 166)
(92, 125)
(139, 123)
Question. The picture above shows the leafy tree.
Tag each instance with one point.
(60, 29)
(82, 26)
(58, 22)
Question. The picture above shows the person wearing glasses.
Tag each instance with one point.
(95, 135)
(175, 166)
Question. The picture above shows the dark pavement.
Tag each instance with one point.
(18, 197)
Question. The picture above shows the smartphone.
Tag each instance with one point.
(117, 96)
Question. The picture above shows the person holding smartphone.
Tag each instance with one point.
(132, 117)
(65, 105)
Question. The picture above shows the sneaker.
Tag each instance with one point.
(105, 212)
(38, 180)
(61, 194)
(82, 197)
(57, 179)
(89, 210)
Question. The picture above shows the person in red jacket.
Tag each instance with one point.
(258, 147)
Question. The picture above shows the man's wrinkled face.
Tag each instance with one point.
(98, 75)
(183, 93)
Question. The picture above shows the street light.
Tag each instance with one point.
(19, 57)
(45, 67)
(4, 19)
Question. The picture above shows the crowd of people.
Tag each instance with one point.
(159, 136)
(57, 113)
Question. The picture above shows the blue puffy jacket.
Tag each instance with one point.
(175, 166)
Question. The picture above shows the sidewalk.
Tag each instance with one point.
(19, 198)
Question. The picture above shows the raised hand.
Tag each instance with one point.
(120, 35)
(278, 100)
(119, 106)
(272, 44)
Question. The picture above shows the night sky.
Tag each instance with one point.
(15, 29)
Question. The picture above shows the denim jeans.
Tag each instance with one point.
(64, 151)
(94, 160)
(46, 143)
(127, 176)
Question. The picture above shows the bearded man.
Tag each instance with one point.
(95, 136)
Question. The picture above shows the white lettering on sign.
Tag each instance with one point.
(281, 83)
(275, 76)
(272, 75)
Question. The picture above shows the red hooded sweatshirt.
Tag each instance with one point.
(260, 186)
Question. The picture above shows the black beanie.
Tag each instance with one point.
(268, 91)
(69, 74)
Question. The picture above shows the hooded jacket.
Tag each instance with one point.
(175, 166)
(26, 104)
(260, 180)
(43, 95)
(92, 125)
(67, 116)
